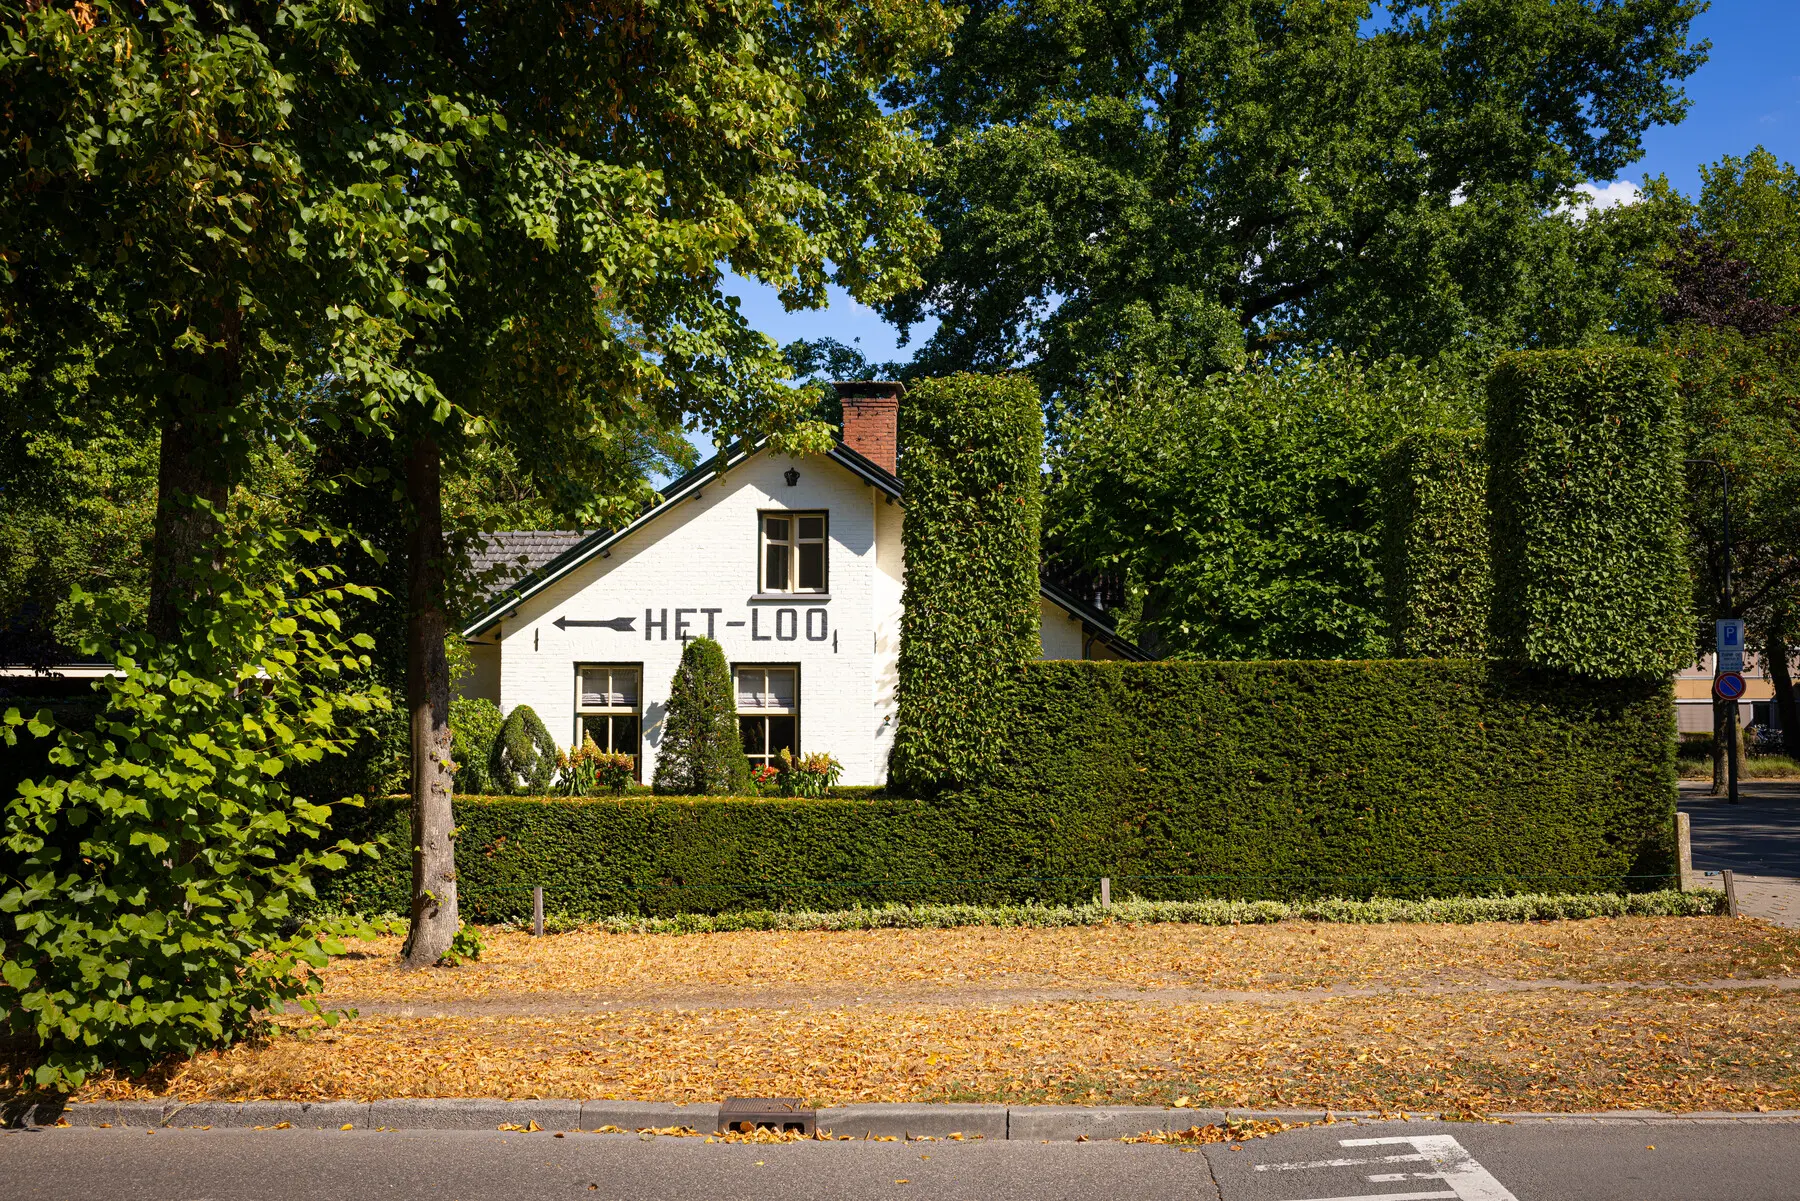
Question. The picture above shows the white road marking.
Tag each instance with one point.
(1337, 1163)
(1467, 1179)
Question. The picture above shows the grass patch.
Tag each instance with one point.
(1521, 907)
(1760, 767)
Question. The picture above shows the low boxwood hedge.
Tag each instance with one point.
(1280, 781)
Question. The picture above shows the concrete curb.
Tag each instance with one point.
(1020, 1123)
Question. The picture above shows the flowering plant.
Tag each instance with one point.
(764, 778)
(808, 775)
(586, 770)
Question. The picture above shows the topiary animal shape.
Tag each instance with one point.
(524, 759)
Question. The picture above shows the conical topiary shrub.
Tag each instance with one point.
(700, 754)
(524, 759)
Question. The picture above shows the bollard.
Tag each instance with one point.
(1684, 838)
(537, 911)
(1106, 892)
(1731, 905)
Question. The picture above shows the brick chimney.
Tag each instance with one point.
(872, 420)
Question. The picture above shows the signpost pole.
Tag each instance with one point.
(1733, 730)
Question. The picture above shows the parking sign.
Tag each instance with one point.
(1730, 631)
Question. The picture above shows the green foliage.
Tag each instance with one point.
(1179, 178)
(474, 730)
(1281, 781)
(158, 868)
(1740, 402)
(465, 946)
(1245, 511)
(1516, 907)
(1436, 580)
(1753, 205)
(1584, 483)
(971, 450)
(701, 753)
(524, 756)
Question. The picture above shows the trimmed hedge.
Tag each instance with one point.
(971, 449)
(1435, 555)
(1589, 551)
(1402, 778)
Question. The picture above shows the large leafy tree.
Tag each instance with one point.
(452, 225)
(1161, 180)
(1245, 511)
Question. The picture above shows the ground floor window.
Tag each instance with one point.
(608, 710)
(768, 706)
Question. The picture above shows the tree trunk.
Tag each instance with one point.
(1781, 676)
(1718, 747)
(194, 463)
(191, 466)
(434, 917)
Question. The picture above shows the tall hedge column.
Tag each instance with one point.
(971, 448)
(1584, 478)
(1435, 546)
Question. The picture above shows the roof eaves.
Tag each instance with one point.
(536, 581)
(870, 471)
(1093, 618)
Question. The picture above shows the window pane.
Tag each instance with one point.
(624, 735)
(596, 728)
(781, 734)
(750, 730)
(775, 529)
(593, 688)
(625, 689)
(775, 568)
(781, 690)
(811, 527)
(749, 688)
(812, 566)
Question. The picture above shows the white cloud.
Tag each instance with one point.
(1605, 196)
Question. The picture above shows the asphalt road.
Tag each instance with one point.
(1759, 835)
(1369, 1161)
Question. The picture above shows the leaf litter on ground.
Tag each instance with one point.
(915, 1015)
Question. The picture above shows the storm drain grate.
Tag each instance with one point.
(748, 1114)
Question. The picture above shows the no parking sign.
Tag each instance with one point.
(1728, 685)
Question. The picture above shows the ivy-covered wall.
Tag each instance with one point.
(971, 450)
(1252, 780)
(1435, 578)
(1588, 548)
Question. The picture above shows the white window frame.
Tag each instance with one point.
(636, 711)
(790, 586)
(763, 713)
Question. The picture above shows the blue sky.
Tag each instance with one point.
(1747, 93)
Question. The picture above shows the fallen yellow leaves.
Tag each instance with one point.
(1086, 1015)
(516, 968)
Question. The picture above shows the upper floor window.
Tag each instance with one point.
(793, 552)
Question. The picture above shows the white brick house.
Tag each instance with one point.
(793, 564)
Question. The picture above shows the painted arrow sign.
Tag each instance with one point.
(622, 624)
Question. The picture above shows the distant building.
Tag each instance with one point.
(1694, 699)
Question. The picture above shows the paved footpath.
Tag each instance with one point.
(1564, 1160)
(1758, 839)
